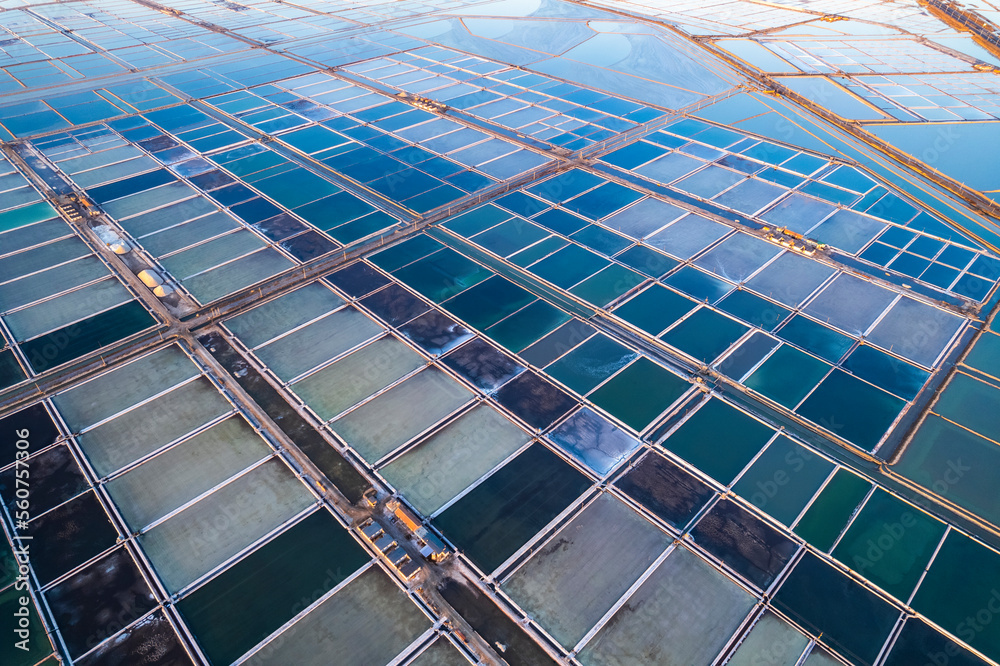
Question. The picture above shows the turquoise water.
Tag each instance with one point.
(614, 338)
(83, 337)
(498, 516)
(853, 620)
(228, 616)
(719, 440)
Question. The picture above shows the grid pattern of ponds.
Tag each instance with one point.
(736, 17)
(107, 38)
(184, 503)
(503, 423)
(530, 104)
(865, 56)
(811, 196)
(958, 428)
(410, 156)
(902, 84)
(932, 97)
(216, 211)
(675, 371)
(58, 299)
(711, 292)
